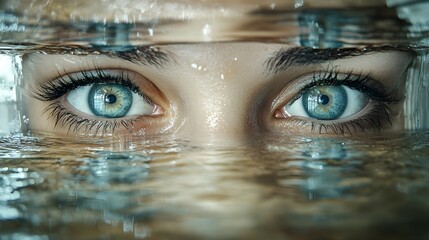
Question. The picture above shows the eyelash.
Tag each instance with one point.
(379, 115)
(65, 84)
(54, 90)
(64, 117)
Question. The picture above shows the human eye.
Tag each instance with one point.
(339, 103)
(98, 101)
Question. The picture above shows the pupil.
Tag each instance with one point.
(110, 98)
(323, 99)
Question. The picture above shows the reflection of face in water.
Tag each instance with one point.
(217, 88)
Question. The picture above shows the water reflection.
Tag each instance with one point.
(314, 23)
(114, 168)
(267, 185)
(282, 186)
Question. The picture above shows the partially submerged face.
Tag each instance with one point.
(177, 87)
(225, 88)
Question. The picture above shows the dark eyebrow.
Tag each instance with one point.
(303, 56)
(144, 55)
(152, 56)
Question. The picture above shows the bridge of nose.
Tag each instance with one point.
(220, 86)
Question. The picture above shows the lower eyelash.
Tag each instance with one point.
(75, 123)
(372, 121)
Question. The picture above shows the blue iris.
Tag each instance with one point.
(110, 100)
(325, 102)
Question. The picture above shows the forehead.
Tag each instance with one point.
(142, 11)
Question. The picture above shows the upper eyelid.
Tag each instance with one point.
(67, 82)
(358, 81)
(381, 92)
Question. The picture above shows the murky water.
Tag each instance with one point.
(258, 186)
(281, 187)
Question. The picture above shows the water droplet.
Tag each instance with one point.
(299, 3)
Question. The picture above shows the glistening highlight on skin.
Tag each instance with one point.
(226, 95)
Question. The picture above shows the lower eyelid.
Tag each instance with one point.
(372, 118)
(67, 121)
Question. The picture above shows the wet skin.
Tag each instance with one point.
(220, 89)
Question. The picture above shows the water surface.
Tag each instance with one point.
(277, 186)
(263, 186)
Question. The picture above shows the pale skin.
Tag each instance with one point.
(216, 89)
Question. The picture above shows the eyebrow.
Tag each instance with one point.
(144, 55)
(152, 56)
(304, 56)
